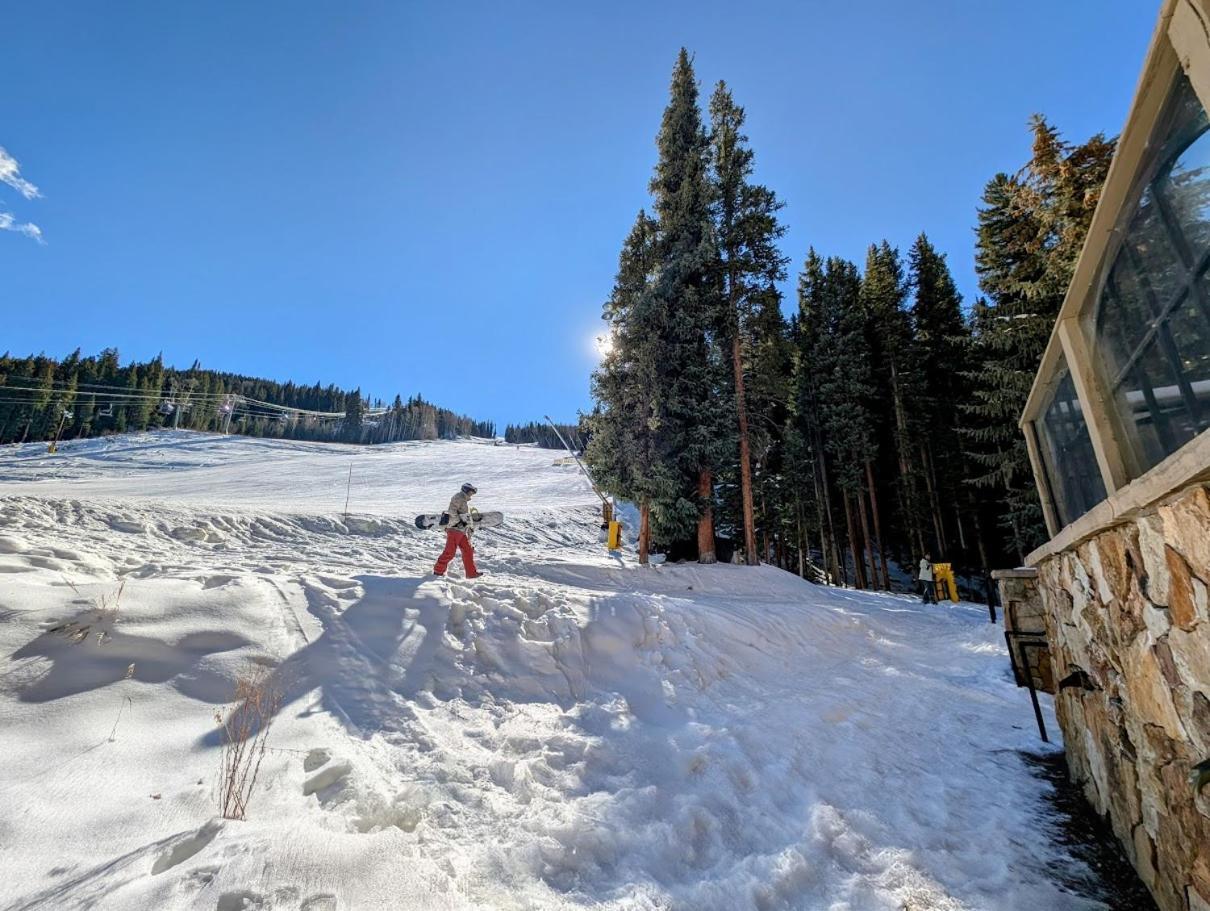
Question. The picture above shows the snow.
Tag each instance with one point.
(570, 731)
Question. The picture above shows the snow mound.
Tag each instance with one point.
(570, 731)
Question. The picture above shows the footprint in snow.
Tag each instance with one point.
(187, 847)
(327, 773)
(242, 900)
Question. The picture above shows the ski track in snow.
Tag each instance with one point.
(570, 731)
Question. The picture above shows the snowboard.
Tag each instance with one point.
(479, 520)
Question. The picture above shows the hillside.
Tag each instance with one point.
(570, 731)
(42, 398)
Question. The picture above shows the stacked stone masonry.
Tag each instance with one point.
(1130, 608)
(1024, 626)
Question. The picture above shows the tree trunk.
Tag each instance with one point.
(858, 577)
(983, 563)
(1017, 542)
(838, 572)
(906, 474)
(934, 499)
(886, 576)
(825, 540)
(705, 525)
(644, 532)
(958, 523)
(745, 454)
(802, 539)
(875, 582)
(764, 514)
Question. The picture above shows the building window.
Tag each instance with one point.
(1072, 473)
(1151, 321)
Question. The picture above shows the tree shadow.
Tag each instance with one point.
(374, 657)
(89, 654)
(370, 658)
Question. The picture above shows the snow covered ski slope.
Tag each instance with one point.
(569, 731)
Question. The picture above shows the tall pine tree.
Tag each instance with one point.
(625, 451)
(1031, 229)
(897, 377)
(942, 341)
(749, 266)
(691, 369)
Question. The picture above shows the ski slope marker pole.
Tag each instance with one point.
(348, 490)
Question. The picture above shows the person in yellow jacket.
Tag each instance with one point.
(458, 534)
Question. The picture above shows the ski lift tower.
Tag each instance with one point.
(226, 409)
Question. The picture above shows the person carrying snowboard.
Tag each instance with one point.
(458, 533)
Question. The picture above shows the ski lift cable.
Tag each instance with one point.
(132, 395)
(84, 388)
(30, 384)
(135, 397)
(104, 390)
(27, 382)
(109, 396)
(99, 404)
(591, 483)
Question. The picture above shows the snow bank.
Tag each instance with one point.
(569, 732)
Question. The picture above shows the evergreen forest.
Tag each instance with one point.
(868, 421)
(42, 398)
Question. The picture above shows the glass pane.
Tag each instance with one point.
(1124, 317)
(1185, 186)
(1150, 397)
(1161, 274)
(1151, 324)
(1190, 327)
(1071, 464)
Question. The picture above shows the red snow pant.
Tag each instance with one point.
(456, 540)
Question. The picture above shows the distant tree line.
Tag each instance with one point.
(543, 434)
(45, 399)
(879, 421)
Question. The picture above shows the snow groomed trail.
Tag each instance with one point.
(570, 731)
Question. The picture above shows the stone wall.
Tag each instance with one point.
(1129, 609)
(1025, 622)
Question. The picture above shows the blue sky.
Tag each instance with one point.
(430, 197)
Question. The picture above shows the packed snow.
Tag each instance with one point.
(570, 731)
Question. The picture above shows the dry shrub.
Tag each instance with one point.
(246, 728)
(108, 604)
(102, 621)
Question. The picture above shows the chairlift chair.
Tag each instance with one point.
(167, 406)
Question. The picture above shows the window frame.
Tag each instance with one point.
(1176, 47)
(1058, 486)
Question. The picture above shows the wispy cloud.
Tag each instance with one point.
(8, 223)
(10, 173)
